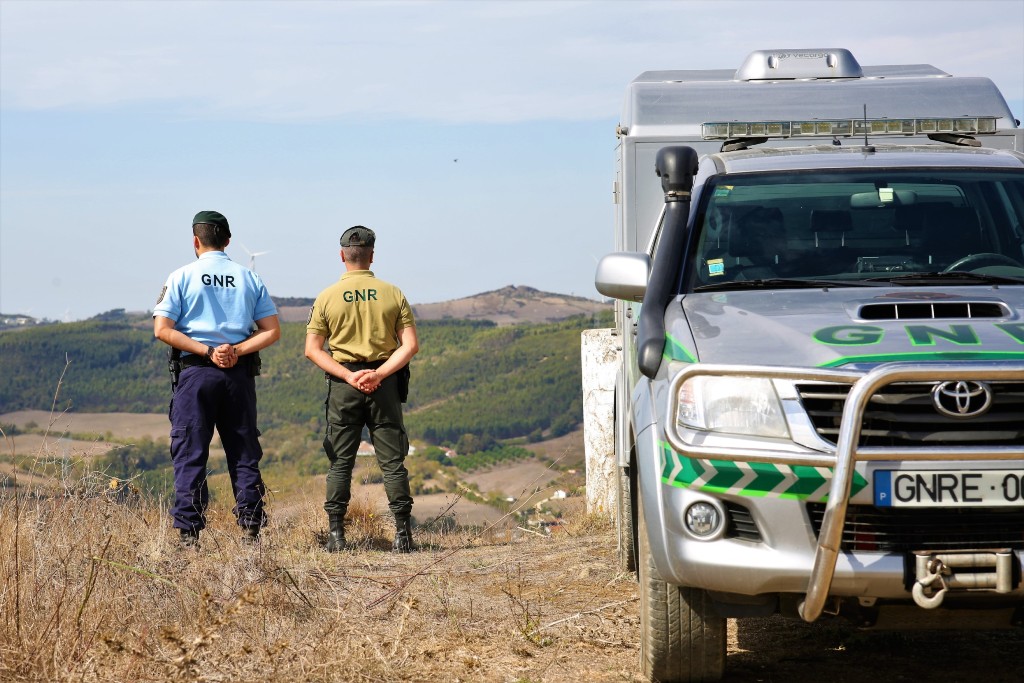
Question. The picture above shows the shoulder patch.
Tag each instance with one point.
(310, 318)
(162, 293)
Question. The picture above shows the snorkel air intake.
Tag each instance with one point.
(676, 166)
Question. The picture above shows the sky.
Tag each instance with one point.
(476, 138)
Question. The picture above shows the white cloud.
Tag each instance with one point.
(450, 61)
(177, 82)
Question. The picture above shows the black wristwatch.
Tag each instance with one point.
(209, 353)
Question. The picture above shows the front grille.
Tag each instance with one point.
(869, 528)
(903, 414)
(741, 523)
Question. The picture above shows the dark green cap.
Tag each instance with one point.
(358, 236)
(215, 219)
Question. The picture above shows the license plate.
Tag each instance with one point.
(949, 488)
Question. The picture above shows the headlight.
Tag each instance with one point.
(735, 405)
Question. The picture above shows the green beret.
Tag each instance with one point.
(215, 219)
(358, 236)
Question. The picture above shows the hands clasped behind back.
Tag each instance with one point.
(224, 356)
(365, 381)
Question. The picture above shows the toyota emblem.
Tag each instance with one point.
(962, 398)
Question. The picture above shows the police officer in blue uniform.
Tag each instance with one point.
(217, 315)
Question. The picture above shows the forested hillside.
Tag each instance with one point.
(111, 366)
(470, 377)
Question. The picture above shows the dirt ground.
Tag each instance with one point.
(777, 649)
(120, 425)
(53, 446)
(506, 607)
(595, 632)
(518, 607)
(516, 479)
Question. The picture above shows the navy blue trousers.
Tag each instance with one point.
(208, 397)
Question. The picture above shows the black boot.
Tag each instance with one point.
(189, 538)
(250, 535)
(403, 535)
(336, 535)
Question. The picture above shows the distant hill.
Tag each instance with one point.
(506, 306)
(510, 305)
(471, 376)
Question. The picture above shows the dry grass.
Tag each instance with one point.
(96, 590)
(93, 587)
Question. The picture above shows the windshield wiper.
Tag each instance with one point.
(961, 276)
(786, 283)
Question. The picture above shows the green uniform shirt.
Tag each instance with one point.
(360, 316)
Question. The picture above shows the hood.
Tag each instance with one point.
(854, 327)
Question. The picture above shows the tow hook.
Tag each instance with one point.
(938, 573)
(932, 572)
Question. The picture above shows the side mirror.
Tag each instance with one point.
(623, 275)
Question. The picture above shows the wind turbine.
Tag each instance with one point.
(252, 256)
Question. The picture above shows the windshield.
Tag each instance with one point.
(858, 228)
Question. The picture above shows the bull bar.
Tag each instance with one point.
(843, 457)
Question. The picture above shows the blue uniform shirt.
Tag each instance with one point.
(214, 300)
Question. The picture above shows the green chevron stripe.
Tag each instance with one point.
(668, 462)
(856, 486)
(767, 477)
(691, 471)
(722, 475)
(728, 473)
(808, 481)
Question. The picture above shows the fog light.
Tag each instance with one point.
(703, 519)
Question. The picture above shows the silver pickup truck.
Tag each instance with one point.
(820, 408)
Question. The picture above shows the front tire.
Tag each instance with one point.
(626, 520)
(682, 637)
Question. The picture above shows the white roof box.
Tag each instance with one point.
(803, 84)
(773, 65)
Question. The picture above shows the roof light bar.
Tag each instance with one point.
(732, 130)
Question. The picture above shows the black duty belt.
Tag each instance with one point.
(356, 366)
(193, 360)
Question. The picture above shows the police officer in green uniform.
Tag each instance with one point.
(370, 332)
